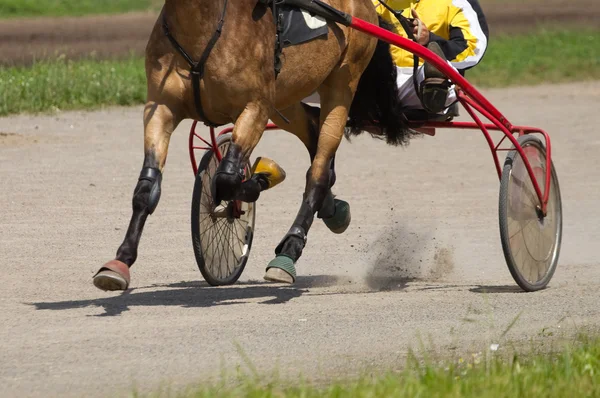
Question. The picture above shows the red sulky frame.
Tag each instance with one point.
(470, 98)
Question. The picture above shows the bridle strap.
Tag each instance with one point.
(197, 68)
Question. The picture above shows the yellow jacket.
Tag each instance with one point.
(458, 26)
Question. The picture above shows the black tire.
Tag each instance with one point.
(530, 241)
(217, 235)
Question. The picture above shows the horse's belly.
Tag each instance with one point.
(306, 66)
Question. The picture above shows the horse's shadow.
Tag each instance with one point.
(194, 295)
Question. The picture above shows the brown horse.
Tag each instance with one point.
(237, 83)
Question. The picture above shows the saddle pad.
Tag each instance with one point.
(300, 26)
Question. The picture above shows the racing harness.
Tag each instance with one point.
(197, 67)
(313, 6)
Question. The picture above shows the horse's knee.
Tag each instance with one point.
(147, 192)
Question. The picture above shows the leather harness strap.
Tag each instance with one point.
(197, 68)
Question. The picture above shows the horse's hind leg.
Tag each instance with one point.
(336, 98)
(304, 123)
(159, 123)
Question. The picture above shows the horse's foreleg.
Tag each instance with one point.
(159, 123)
(318, 182)
(247, 131)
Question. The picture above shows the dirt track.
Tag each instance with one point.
(22, 41)
(418, 259)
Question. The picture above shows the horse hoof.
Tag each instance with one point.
(339, 222)
(113, 276)
(281, 270)
(272, 172)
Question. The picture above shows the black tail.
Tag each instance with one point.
(377, 100)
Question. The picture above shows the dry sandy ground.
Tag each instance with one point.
(25, 40)
(422, 258)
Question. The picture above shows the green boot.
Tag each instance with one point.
(339, 222)
(281, 270)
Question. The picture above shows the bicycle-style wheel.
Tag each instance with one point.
(530, 240)
(221, 235)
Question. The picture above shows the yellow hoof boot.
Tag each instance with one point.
(266, 167)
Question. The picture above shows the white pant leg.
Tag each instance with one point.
(406, 88)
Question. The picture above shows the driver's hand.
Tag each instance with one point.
(420, 29)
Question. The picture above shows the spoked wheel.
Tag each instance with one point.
(530, 240)
(221, 235)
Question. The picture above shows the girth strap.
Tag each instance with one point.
(197, 68)
(278, 20)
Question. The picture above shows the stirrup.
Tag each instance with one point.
(434, 94)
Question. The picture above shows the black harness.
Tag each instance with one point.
(278, 20)
(197, 68)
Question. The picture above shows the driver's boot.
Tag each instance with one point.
(434, 88)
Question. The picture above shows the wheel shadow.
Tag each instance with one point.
(497, 289)
(195, 294)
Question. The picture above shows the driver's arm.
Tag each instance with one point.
(468, 34)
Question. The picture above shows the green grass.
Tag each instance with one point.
(550, 57)
(62, 84)
(547, 56)
(37, 8)
(573, 372)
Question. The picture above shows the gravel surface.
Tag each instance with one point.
(421, 261)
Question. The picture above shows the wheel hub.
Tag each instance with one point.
(230, 211)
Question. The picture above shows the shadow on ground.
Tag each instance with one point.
(195, 295)
(497, 289)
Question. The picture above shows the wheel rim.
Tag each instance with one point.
(225, 234)
(533, 237)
